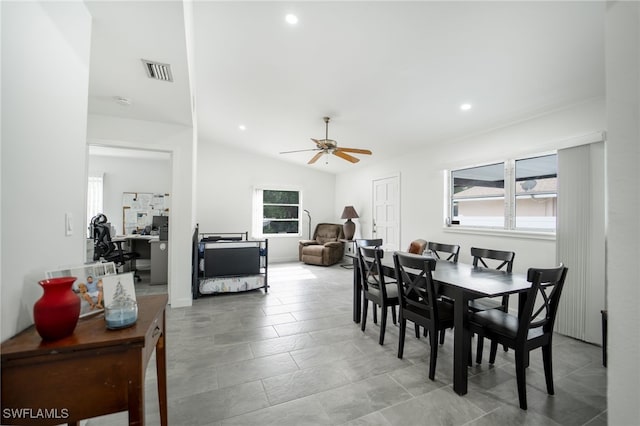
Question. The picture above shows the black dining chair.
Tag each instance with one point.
(372, 242)
(419, 302)
(375, 288)
(532, 328)
(495, 259)
(448, 252)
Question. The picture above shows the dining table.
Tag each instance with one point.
(460, 282)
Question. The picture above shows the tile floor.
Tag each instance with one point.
(294, 357)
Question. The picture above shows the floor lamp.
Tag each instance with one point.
(309, 215)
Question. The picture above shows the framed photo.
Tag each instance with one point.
(88, 285)
(118, 286)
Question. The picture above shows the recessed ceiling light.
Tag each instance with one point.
(242, 127)
(465, 107)
(291, 19)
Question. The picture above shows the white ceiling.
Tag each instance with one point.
(391, 75)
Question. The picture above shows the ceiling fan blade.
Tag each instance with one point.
(315, 157)
(345, 156)
(355, 150)
(301, 150)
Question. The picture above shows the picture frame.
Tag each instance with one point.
(88, 285)
(110, 284)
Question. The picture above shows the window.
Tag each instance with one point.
(277, 211)
(515, 194)
(478, 195)
(536, 192)
(94, 197)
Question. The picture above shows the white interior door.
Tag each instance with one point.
(386, 211)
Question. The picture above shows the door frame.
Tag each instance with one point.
(395, 175)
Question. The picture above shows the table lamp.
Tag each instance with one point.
(349, 227)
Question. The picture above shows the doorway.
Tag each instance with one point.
(386, 211)
(125, 171)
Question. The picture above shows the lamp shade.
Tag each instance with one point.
(349, 213)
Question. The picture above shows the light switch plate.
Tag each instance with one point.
(68, 224)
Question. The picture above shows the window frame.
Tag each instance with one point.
(510, 199)
(258, 211)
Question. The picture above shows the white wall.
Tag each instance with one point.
(118, 132)
(623, 234)
(122, 174)
(44, 110)
(422, 180)
(227, 177)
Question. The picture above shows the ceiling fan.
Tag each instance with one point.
(329, 146)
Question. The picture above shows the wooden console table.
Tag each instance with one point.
(93, 372)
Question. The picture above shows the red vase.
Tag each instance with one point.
(56, 312)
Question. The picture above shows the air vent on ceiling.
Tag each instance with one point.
(158, 71)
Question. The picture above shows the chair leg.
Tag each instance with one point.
(403, 329)
(365, 308)
(548, 370)
(433, 340)
(442, 337)
(479, 349)
(393, 314)
(417, 328)
(521, 379)
(383, 323)
(493, 352)
(375, 312)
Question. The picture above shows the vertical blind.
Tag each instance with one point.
(95, 196)
(580, 240)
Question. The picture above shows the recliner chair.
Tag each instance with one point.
(325, 248)
(107, 250)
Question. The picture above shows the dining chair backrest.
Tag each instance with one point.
(369, 259)
(546, 284)
(481, 255)
(452, 250)
(374, 242)
(417, 246)
(416, 288)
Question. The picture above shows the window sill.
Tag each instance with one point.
(533, 235)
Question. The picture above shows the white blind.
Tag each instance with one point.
(95, 196)
(580, 240)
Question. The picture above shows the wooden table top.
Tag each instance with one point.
(91, 332)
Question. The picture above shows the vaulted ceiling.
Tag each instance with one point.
(391, 75)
